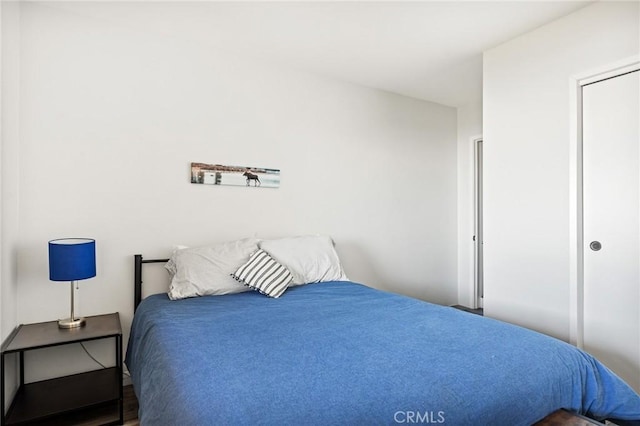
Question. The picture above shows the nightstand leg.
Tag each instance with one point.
(119, 363)
(2, 389)
(21, 368)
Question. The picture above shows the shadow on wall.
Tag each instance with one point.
(361, 267)
(354, 257)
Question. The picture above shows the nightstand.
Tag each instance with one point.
(48, 398)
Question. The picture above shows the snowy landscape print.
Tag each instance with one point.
(217, 174)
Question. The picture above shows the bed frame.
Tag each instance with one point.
(137, 277)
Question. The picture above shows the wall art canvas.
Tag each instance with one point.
(216, 174)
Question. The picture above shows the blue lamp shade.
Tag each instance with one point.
(72, 259)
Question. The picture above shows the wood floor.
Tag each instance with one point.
(565, 418)
(478, 311)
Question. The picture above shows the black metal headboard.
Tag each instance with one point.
(137, 277)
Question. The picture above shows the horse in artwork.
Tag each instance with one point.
(252, 177)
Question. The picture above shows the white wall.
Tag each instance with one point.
(9, 158)
(526, 152)
(469, 121)
(110, 120)
(9, 119)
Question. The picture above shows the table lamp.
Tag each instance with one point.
(72, 259)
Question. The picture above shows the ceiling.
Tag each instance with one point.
(430, 50)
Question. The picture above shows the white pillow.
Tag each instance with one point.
(311, 259)
(170, 265)
(202, 271)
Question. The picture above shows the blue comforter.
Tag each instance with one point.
(341, 353)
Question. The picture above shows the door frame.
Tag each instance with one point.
(576, 231)
(478, 235)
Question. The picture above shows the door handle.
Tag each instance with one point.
(595, 245)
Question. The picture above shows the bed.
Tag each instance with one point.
(339, 352)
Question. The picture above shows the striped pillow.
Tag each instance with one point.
(264, 274)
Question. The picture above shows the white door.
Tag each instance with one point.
(611, 195)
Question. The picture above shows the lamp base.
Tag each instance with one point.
(71, 323)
